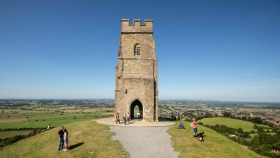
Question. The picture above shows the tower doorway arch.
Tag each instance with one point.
(134, 104)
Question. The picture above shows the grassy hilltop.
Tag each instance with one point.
(90, 139)
(215, 145)
(87, 139)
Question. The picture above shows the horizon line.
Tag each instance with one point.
(205, 100)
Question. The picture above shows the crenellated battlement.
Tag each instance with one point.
(136, 26)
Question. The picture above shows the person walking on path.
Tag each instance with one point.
(66, 140)
(118, 118)
(124, 118)
(194, 126)
(61, 138)
(128, 117)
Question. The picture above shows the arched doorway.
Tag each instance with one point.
(133, 108)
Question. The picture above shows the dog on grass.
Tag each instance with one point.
(200, 136)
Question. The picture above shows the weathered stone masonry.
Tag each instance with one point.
(136, 70)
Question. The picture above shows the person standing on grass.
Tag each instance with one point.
(61, 138)
(194, 126)
(66, 140)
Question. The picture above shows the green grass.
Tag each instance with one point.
(214, 146)
(233, 123)
(42, 120)
(7, 134)
(87, 138)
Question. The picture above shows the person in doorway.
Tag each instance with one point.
(61, 138)
(124, 118)
(138, 116)
(66, 140)
(194, 126)
(141, 115)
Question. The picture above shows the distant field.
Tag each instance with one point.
(214, 146)
(233, 123)
(11, 120)
(41, 119)
(260, 110)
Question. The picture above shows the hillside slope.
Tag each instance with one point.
(87, 139)
(214, 146)
(232, 123)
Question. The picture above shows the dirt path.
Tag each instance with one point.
(145, 142)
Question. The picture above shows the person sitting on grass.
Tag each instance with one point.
(181, 126)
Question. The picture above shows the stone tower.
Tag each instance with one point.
(136, 70)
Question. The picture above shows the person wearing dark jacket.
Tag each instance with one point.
(61, 138)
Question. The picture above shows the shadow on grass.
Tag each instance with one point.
(162, 119)
(76, 145)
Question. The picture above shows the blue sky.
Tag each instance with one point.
(208, 50)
